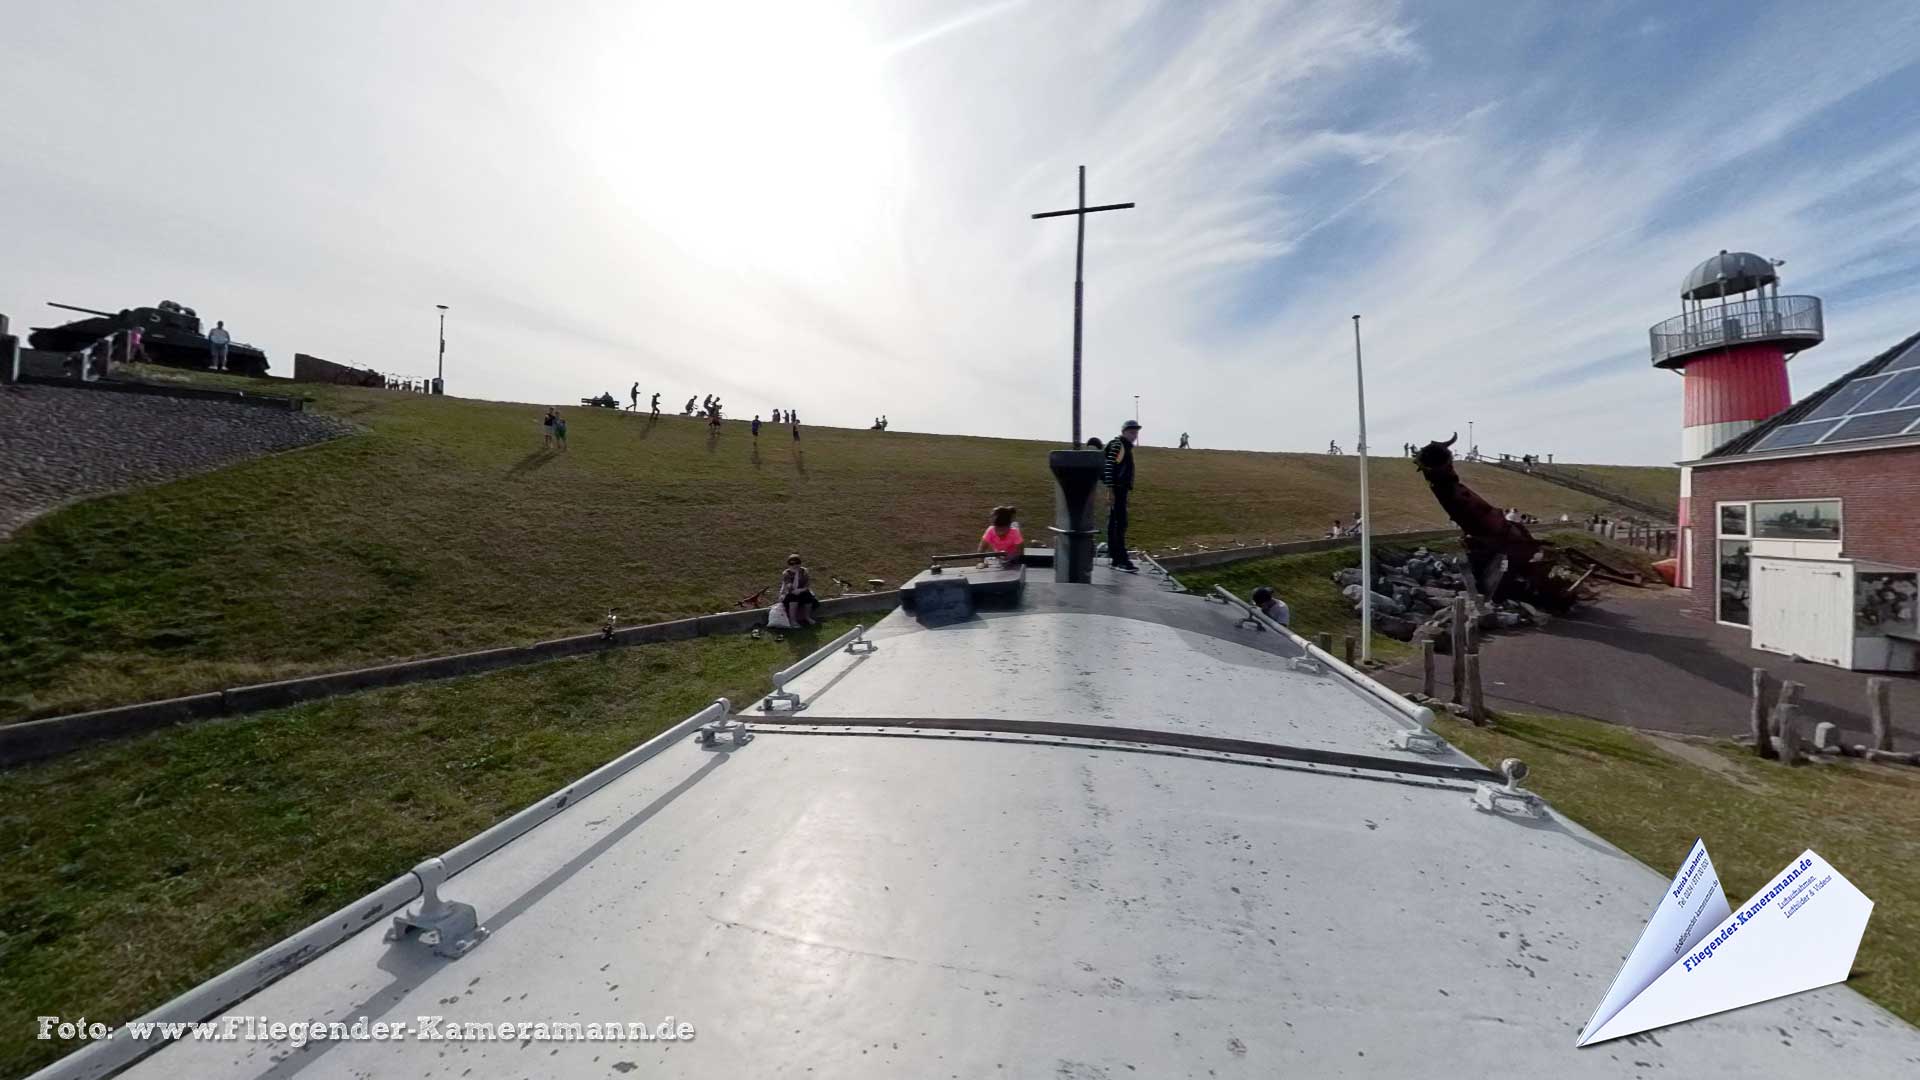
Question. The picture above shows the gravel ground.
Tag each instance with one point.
(59, 444)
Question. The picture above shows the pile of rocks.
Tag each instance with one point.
(1413, 597)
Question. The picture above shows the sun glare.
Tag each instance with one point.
(736, 132)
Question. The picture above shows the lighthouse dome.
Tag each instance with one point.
(1728, 274)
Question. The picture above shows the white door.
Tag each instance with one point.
(1803, 608)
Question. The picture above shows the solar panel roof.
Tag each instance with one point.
(1880, 399)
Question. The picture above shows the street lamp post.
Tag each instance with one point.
(440, 368)
(1366, 511)
(1136, 408)
(1470, 443)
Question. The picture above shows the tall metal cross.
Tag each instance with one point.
(1079, 286)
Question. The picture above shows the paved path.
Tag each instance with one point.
(59, 444)
(1640, 660)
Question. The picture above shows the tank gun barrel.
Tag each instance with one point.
(87, 310)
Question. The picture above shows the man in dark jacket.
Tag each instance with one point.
(1117, 474)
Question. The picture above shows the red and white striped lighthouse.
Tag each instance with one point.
(1732, 349)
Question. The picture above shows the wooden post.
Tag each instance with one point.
(1879, 713)
(1787, 742)
(1789, 699)
(1325, 641)
(1459, 648)
(1471, 589)
(1346, 648)
(1476, 704)
(1758, 718)
(1426, 667)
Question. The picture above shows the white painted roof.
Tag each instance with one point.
(871, 900)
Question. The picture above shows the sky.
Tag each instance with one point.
(827, 206)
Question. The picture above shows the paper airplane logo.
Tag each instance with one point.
(1698, 957)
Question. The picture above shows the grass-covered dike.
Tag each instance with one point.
(444, 527)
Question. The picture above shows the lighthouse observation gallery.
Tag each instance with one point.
(1800, 522)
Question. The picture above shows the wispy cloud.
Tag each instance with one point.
(827, 205)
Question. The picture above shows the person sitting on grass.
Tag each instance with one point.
(796, 593)
(1003, 537)
(1271, 606)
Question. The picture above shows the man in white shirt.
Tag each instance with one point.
(218, 339)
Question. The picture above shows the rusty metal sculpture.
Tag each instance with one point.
(1505, 558)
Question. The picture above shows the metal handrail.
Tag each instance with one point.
(851, 641)
(1419, 715)
(503, 833)
(1711, 326)
(211, 998)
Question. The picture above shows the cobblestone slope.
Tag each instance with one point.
(59, 444)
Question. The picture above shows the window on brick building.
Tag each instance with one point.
(1735, 582)
(1816, 519)
(1731, 578)
(1805, 524)
(1733, 519)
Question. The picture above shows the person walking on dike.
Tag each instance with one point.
(560, 429)
(546, 425)
(689, 410)
(217, 339)
(1117, 474)
(796, 593)
(635, 393)
(756, 427)
(1184, 445)
(655, 415)
(794, 422)
(1003, 537)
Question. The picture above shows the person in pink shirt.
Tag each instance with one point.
(1003, 536)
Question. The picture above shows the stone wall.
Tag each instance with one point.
(315, 370)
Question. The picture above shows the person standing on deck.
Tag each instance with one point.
(1117, 474)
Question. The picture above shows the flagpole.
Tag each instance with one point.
(1366, 511)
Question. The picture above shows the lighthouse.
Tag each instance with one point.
(1730, 344)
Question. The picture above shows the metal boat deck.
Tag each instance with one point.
(940, 867)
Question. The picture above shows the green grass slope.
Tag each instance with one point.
(1655, 484)
(443, 527)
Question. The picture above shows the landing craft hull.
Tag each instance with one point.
(1110, 831)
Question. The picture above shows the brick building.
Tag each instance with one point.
(1806, 528)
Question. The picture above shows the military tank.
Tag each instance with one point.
(169, 332)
